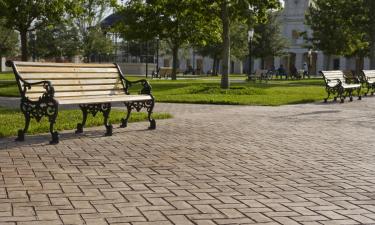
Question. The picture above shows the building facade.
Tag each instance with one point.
(293, 23)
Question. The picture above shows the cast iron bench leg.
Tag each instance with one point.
(80, 126)
(124, 121)
(150, 109)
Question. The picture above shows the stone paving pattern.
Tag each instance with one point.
(300, 164)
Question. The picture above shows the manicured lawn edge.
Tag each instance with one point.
(208, 91)
(12, 120)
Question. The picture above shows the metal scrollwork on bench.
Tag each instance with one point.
(138, 105)
(93, 109)
(44, 106)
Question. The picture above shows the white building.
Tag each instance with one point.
(292, 21)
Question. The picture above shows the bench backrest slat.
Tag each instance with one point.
(71, 80)
(369, 73)
(333, 75)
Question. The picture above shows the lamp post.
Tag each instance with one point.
(157, 53)
(309, 53)
(250, 37)
(146, 59)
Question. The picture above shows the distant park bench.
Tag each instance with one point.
(337, 83)
(93, 87)
(164, 72)
(261, 75)
(368, 79)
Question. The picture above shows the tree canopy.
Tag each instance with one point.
(268, 40)
(229, 11)
(28, 15)
(176, 22)
(8, 40)
(343, 27)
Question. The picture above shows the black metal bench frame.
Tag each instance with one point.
(47, 106)
(366, 83)
(340, 90)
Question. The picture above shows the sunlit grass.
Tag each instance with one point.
(12, 120)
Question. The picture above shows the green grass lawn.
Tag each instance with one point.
(273, 93)
(13, 120)
(206, 90)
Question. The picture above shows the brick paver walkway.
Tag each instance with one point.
(304, 164)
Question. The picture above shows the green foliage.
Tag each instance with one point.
(176, 22)
(268, 40)
(8, 40)
(96, 42)
(339, 27)
(11, 120)
(26, 15)
(60, 40)
(228, 11)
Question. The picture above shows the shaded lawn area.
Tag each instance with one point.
(12, 120)
(206, 90)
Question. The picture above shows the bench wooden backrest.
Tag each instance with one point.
(70, 79)
(333, 75)
(369, 74)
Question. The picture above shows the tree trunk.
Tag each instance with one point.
(262, 59)
(226, 46)
(217, 67)
(371, 6)
(328, 61)
(372, 52)
(214, 66)
(24, 46)
(359, 64)
(175, 62)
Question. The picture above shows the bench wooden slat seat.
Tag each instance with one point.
(93, 87)
(337, 83)
(368, 80)
(103, 99)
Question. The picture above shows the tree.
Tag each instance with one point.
(60, 40)
(369, 6)
(268, 40)
(8, 40)
(176, 22)
(96, 43)
(238, 45)
(229, 11)
(29, 15)
(338, 27)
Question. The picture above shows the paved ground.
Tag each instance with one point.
(303, 164)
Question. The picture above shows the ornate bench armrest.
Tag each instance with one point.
(49, 90)
(339, 83)
(146, 89)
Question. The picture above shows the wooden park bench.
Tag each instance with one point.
(368, 79)
(93, 87)
(164, 72)
(261, 75)
(337, 83)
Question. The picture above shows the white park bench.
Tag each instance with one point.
(336, 83)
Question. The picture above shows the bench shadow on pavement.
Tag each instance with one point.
(42, 140)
